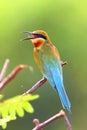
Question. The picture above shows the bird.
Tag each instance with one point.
(48, 60)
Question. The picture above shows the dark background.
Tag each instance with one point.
(66, 23)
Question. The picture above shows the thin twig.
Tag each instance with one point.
(4, 69)
(68, 125)
(40, 126)
(11, 76)
(64, 63)
(36, 86)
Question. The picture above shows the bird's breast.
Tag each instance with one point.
(37, 43)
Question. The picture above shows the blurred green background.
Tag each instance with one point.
(66, 23)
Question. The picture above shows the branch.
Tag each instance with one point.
(36, 86)
(40, 82)
(11, 76)
(40, 126)
(4, 69)
(68, 125)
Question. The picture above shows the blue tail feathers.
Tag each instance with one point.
(57, 82)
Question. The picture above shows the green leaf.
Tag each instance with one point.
(10, 108)
(12, 111)
(3, 122)
(28, 107)
(30, 97)
(19, 110)
(5, 111)
(4, 125)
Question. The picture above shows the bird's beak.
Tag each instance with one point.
(29, 37)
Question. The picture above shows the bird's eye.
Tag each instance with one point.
(40, 36)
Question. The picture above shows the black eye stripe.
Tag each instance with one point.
(40, 35)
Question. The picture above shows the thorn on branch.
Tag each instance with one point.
(36, 122)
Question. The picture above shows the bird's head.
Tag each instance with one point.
(37, 37)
